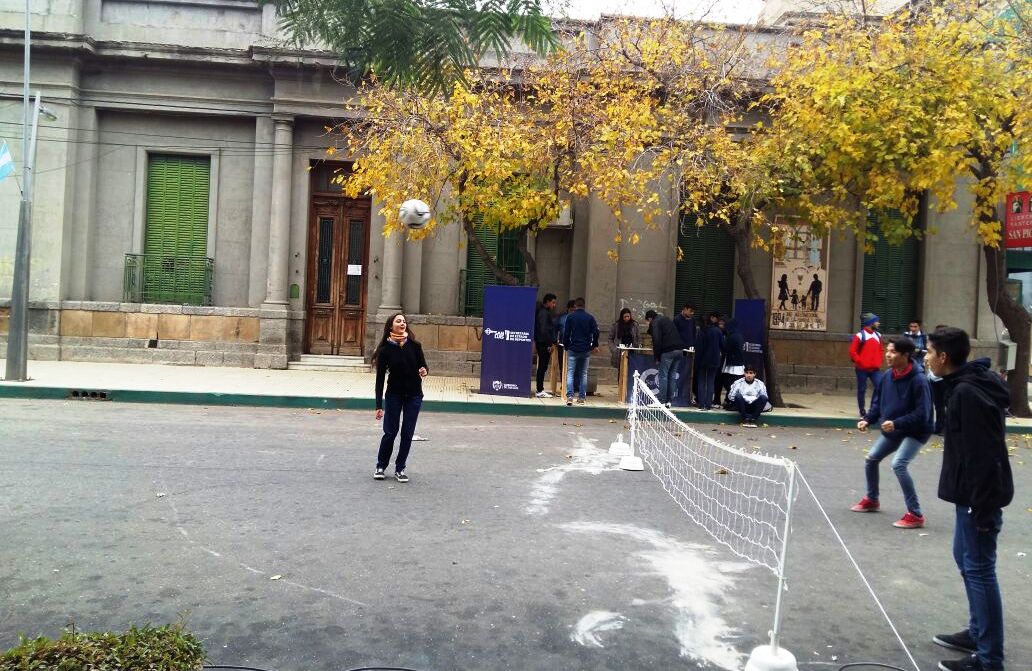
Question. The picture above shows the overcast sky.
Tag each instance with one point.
(732, 11)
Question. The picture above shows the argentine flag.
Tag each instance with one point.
(6, 162)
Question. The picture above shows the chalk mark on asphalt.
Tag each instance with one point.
(585, 458)
(204, 548)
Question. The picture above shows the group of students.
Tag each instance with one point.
(715, 362)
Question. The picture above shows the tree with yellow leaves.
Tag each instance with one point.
(872, 116)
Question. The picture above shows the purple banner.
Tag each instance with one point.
(508, 340)
(750, 314)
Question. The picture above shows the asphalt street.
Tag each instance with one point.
(518, 544)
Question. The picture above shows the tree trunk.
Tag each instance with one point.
(741, 233)
(528, 258)
(1015, 319)
(503, 275)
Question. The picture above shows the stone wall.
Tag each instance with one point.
(135, 333)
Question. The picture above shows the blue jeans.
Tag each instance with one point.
(975, 554)
(906, 449)
(862, 376)
(667, 378)
(577, 369)
(706, 377)
(684, 382)
(394, 405)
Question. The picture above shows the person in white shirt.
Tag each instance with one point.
(749, 396)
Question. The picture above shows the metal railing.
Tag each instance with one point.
(175, 280)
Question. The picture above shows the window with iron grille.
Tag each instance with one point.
(175, 267)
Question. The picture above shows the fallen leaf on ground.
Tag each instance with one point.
(275, 577)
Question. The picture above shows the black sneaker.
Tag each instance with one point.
(969, 663)
(378, 475)
(400, 476)
(960, 641)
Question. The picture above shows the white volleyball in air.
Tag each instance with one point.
(414, 213)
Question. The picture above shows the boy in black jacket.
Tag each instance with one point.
(976, 477)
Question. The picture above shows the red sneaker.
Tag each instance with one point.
(909, 521)
(866, 505)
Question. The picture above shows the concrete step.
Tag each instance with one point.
(303, 365)
(332, 360)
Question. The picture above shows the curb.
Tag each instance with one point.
(468, 407)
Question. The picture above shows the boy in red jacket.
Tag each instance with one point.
(866, 353)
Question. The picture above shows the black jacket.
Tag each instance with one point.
(975, 469)
(687, 328)
(707, 347)
(544, 326)
(665, 337)
(733, 345)
(403, 363)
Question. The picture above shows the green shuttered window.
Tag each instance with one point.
(706, 272)
(890, 282)
(505, 250)
(176, 268)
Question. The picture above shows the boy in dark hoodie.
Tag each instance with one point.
(903, 403)
(976, 477)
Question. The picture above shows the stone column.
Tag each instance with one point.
(272, 343)
(279, 212)
(262, 185)
(390, 294)
(412, 277)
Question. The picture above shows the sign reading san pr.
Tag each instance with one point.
(1018, 220)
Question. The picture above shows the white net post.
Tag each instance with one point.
(632, 408)
(742, 499)
(775, 634)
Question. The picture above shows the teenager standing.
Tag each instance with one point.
(866, 353)
(903, 404)
(976, 478)
(399, 358)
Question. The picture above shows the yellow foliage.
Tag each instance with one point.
(871, 116)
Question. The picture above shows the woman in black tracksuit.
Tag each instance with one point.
(399, 358)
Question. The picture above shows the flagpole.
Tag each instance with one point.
(17, 330)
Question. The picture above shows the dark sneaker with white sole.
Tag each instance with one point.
(969, 663)
(378, 475)
(960, 641)
(400, 476)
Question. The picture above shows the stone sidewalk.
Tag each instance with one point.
(197, 385)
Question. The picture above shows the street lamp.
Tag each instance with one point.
(18, 328)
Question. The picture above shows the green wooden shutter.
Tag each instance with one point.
(504, 249)
(706, 271)
(176, 235)
(890, 281)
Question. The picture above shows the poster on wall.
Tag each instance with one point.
(799, 282)
(1018, 219)
(508, 340)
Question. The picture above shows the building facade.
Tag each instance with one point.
(185, 213)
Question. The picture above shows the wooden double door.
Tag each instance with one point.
(338, 271)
